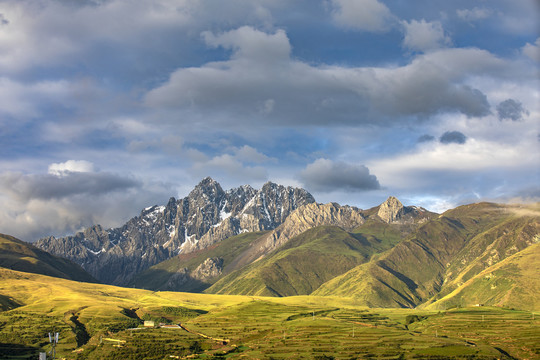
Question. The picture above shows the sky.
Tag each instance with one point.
(111, 106)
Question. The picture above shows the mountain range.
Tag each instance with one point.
(206, 216)
(277, 241)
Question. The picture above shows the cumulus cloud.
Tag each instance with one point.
(261, 68)
(326, 175)
(453, 137)
(366, 15)
(511, 109)
(70, 197)
(423, 36)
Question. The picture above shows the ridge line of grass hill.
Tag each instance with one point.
(306, 261)
(18, 255)
(512, 283)
(413, 271)
(488, 248)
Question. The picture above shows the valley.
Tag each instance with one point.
(226, 326)
(271, 274)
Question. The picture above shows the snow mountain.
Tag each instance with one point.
(205, 217)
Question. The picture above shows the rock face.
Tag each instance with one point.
(210, 268)
(390, 210)
(312, 215)
(206, 216)
(300, 220)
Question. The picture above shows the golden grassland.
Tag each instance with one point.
(104, 322)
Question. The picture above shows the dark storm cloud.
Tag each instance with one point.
(48, 186)
(325, 175)
(455, 137)
(511, 109)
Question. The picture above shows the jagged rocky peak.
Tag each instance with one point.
(391, 210)
(206, 216)
(208, 188)
(245, 209)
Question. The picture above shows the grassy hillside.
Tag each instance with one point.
(18, 255)
(94, 322)
(510, 236)
(512, 283)
(157, 277)
(308, 260)
(415, 270)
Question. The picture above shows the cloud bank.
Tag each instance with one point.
(326, 175)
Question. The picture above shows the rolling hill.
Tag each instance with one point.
(439, 256)
(97, 321)
(18, 255)
(305, 262)
(513, 282)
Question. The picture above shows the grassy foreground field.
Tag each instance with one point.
(103, 322)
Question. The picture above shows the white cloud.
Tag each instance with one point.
(367, 15)
(423, 36)
(249, 154)
(455, 166)
(532, 50)
(70, 166)
(231, 167)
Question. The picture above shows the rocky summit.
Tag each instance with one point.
(206, 216)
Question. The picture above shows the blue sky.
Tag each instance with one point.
(110, 106)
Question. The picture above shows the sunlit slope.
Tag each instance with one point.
(18, 255)
(415, 270)
(308, 260)
(95, 321)
(516, 233)
(51, 295)
(512, 283)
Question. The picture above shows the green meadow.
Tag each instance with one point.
(106, 322)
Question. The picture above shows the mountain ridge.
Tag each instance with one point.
(206, 216)
(419, 270)
(18, 255)
(277, 241)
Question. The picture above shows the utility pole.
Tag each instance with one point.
(53, 339)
